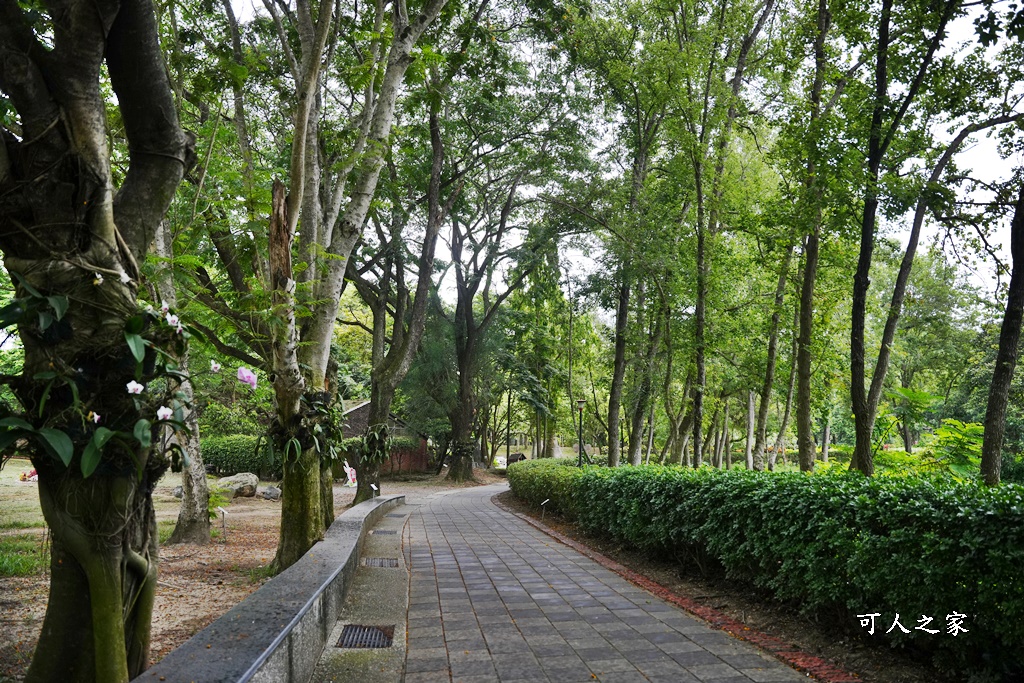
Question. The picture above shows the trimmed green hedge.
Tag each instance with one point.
(836, 544)
(546, 478)
(238, 453)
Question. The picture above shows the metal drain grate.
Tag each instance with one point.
(356, 636)
(383, 532)
(380, 562)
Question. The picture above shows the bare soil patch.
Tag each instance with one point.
(872, 662)
(196, 585)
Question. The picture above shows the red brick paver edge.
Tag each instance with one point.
(813, 666)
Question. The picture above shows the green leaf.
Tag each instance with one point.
(134, 325)
(26, 286)
(94, 449)
(137, 345)
(46, 396)
(60, 443)
(59, 303)
(11, 314)
(192, 331)
(143, 433)
(45, 320)
(9, 437)
(16, 422)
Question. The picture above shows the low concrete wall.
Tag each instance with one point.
(278, 633)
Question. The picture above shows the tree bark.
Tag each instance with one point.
(814, 193)
(193, 525)
(865, 400)
(618, 372)
(70, 235)
(780, 441)
(1006, 357)
(804, 419)
(826, 437)
(643, 400)
(749, 452)
(302, 519)
(761, 434)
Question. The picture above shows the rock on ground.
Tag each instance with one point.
(241, 485)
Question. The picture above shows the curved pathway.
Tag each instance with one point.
(492, 599)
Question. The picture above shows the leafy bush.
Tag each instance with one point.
(546, 478)
(404, 443)
(217, 498)
(840, 452)
(837, 544)
(224, 419)
(1012, 469)
(239, 453)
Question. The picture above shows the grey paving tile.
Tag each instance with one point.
(428, 677)
(415, 664)
(747, 661)
(773, 675)
(603, 666)
(482, 667)
(710, 672)
(518, 607)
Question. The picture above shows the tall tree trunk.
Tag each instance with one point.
(761, 433)
(377, 439)
(780, 441)
(706, 449)
(618, 372)
(72, 239)
(391, 367)
(865, 401)
(804, 419)
(646, 370)
(814, 192)
(302, 520)
(461, 468)
(724, 447)
(826, 438)
(650, 434)
(550, 446)
(749, 451)
(700, 383)
(1006, 357)
(193, 524)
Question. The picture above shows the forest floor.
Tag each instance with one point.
(199, 583)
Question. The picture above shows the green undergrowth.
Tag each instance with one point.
(23, 555)
(239, 453)
(837, 545)
(164, 529)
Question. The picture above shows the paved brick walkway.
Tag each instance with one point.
(493, 599)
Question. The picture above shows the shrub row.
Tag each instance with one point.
(227, 455)
(546, 478)
(837, 544)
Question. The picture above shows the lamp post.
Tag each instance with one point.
(580, 403)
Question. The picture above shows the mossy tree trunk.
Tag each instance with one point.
(193, 525)
(72, 242)
(1006, 358)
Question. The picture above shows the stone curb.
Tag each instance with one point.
(815, 667)
(278, 632)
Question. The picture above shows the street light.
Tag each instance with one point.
(580, 403)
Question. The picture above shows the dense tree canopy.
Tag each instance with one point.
(711, 232)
